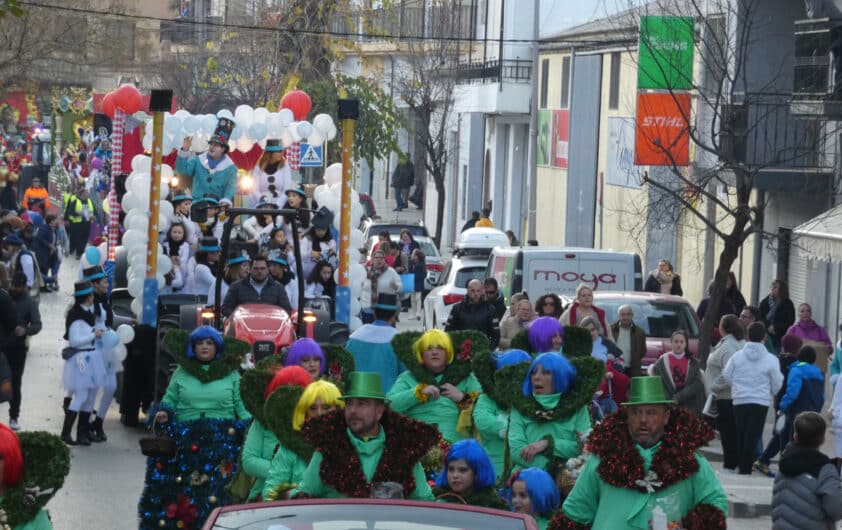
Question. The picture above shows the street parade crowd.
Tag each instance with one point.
(538, 409)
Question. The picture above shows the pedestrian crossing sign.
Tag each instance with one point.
(311, 156)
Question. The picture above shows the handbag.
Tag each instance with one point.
(158, 445)
(710, 409)
(68, 352)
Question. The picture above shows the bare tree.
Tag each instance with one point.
(738, 125)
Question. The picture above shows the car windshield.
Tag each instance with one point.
(656, 318)
(466, 274)
(363, 517)
(428, 247)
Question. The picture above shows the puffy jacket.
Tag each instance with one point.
(754, 375)
(481, 317)
(243, 292)
(726, 349)
(804, 389)
(807, 493)
(809, 330)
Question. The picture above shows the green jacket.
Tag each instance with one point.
(492, 423)
(286, 468)
(593, 502)
(565, 437)
(441, 412)
(369, 452)
(193, 400)
(258, 450)
(40, 522)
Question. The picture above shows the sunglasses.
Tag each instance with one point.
(491, 293)
(549, 302)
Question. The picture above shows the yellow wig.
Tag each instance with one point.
(324, 390)
(431, 339)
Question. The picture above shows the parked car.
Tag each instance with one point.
(428, 247)
(372, 228)
(365, 513)
(658, 315)
(452, 288)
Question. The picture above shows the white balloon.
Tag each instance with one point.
(357, 238)
(333, 174)
(140, 186)
(355, 306)
(209, 122)
(141, 163)
(224, 113)
(137, 307)
(135, 238)
(164, 264)
(181, 113)
(244, 116)
(237, 133)
(118, 354)
(315, 138)
(357, 212)
(286, 138)
(137, 222)
(257, 131)
(164, 190)
(173, 124)
(331, 134)
(292, 128)
(355, 323)
(322, 123)
(320, 193)
(130, 201)
(136, 287)
(163, 222)
(304, 129)
(126, 333)
(274, 127)
(357, 273)
(200, 144)
(148, 129)
(162, 282)
(192, 124)
(166, 172)
(244, 145)
(147, 142)
(287, 117)
(261, 114)
(166, 209)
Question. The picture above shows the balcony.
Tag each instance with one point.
(817, 87)
(514, 71)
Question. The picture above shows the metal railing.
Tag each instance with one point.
(514, 70)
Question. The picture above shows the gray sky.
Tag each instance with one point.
(558, 15)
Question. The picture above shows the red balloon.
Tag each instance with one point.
(298, 102)
(129, 98)
(109, 105)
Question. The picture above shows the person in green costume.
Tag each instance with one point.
(431, 392)
(534, 492)
(639, 478)
(468, 477)
(363, 447)
(261, 444)
(491, 414)
(287, 467)
(545, 444)
(32, 469)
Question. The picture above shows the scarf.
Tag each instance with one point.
(77, 312)
(374, 276)
(773, 308)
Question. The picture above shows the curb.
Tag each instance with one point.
(737, 509)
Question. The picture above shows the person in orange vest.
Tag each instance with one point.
(35, 191)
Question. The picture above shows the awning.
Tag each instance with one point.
(820, 238)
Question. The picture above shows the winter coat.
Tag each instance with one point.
(754, 375)
(29, 317)
(654, 286)
(807, 493)
(809, 330)
(804, 389)
(692, 396)
(243, 292)
(191, 399)
(564, 432)
(371, 346)
(388, 282)
(714, 379)
(258, 450)
(572, 317)
(784, 317)
(509, 327)
(638, 346)
(481, 317)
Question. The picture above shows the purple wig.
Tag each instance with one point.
(302, 349)
(541, 333)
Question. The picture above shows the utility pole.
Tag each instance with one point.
(533, 129)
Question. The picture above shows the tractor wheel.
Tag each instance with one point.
(339, 333)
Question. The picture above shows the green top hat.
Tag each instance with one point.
(366, 385)
(647, 391)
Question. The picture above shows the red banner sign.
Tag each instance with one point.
(661, 136)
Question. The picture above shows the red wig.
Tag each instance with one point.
(288, 375)
(12, 456)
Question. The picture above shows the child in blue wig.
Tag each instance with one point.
(546, 334)
(533, 491)
(468, 477)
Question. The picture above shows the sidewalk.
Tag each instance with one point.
(386, 207)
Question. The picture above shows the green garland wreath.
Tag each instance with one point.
(485, 367)
(46, 463)
(278, 412)
(466, 346)
(339, 363)
(509, 383)
(253, 385)
(577, 342)
(176, 342)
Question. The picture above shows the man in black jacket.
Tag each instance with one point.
(28, 324)
(494, 297)
(475, 313)
(258, 288)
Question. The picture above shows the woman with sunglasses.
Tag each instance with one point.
(272, 176)
(548, 305)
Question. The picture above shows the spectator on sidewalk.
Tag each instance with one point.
(485, 220)
(402, 179)
(777, 312)
(804, 389)
(807, 493)
(28, 324)
(494, 297)
(630, 339)
(475, 313)
(472, 222)
(733, 336)
(755, 377)
(513, 324)
(807, 329)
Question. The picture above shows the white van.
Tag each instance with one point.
(559, 270)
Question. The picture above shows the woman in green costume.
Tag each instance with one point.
(438, 387)
(293, 454)
(261, 443)
(534, 492)
(32, 469)
(468, 477)
(491, 412)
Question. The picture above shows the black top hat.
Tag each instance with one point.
(82, 288)
(223, 132)
(322, 218)
(93, 273)
(273, 146)
(387, 301)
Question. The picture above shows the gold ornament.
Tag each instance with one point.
(212, 499)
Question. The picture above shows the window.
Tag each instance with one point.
(614, 82)
(565, 82)
(545, 74)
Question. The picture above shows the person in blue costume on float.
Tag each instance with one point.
(213, 172)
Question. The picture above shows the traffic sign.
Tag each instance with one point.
(311, 156)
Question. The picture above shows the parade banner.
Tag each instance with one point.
(666, 53)
(545, 118)
(560, 138)
(662, 137)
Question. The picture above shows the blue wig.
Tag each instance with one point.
(202, 333)
(474, 454)
(541, 488)
(541, 333)
(564, 373)
(511, 357)
(302, 349)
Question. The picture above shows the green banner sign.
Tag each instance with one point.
(666, 53)
(545, 124)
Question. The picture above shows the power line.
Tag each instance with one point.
(246, 27)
